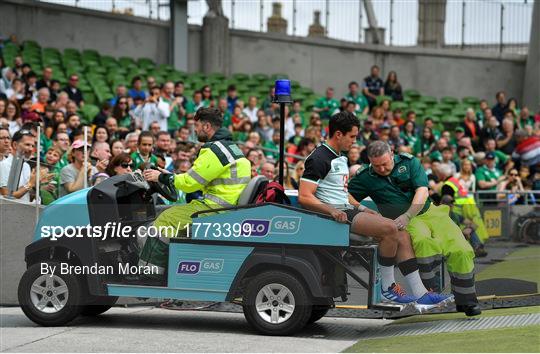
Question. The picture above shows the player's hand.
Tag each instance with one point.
(339, 216)
(402, 221)
(151, 175)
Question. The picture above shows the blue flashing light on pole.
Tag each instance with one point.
(282, 95)
(282, 91)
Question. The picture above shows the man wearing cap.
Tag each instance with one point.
(488, 176)
(399, 187)
(72, 175)
(220, 171)
(459, 133)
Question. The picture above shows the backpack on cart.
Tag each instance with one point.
(272, 192)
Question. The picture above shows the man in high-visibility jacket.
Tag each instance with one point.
(465, 205)
(220, 171)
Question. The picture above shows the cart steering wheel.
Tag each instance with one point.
(167, 190)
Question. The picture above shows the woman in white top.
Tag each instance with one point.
(466, 176)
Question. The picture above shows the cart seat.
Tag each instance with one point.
(252, 189)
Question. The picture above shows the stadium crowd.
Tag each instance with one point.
(494, 149)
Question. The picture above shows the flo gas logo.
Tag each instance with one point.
(277, 225)
(207, 265)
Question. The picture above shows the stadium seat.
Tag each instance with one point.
(449, 100)
(444, 107)
(413, 94)
(274, 77)
(471, 101)
(382, 98)
(399, 105)
(89, 111)
(430, 101)
(260, 77)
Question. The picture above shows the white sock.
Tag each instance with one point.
(415, 284)
(387, 276)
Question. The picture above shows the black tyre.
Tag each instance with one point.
(99, 305)
(277, 303)
(318, 312)
(49, 300)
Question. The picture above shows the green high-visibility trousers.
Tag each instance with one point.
(436, 237)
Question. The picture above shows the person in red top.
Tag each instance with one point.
(471, 127)
(42, 100)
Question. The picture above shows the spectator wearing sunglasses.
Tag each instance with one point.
(512, 183)
(120, 165)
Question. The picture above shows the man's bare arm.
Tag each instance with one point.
(307, 198)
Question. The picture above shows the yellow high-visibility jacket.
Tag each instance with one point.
(220, 171)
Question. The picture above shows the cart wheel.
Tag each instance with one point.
(318, 312)
(49, 300)
(99, 305)
(277, 303)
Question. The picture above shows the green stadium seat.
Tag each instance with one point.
(449, 100)
(305, 91)
(413, 94)
(274, 77)
(428, 100)
(240, 77)
(145, 62)
(399, 105)
(126, 61)
(471, 101)
(446, 108)
(382, 98)
(96, 69)
(418, 106)
(260, 77)
(89, 97)
(89, 111)
(108, 61)
(459, 112)
(433, 112)
(30, 44)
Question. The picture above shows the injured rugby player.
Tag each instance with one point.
(324, 188)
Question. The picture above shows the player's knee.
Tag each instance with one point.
(403, 238)
(389, 229)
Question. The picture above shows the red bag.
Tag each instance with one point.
(272, 192)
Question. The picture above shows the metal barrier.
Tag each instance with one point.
(500, 26)
(499, 215)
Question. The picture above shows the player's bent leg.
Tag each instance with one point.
(170, 223)
(385, 232)
(382, 229)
